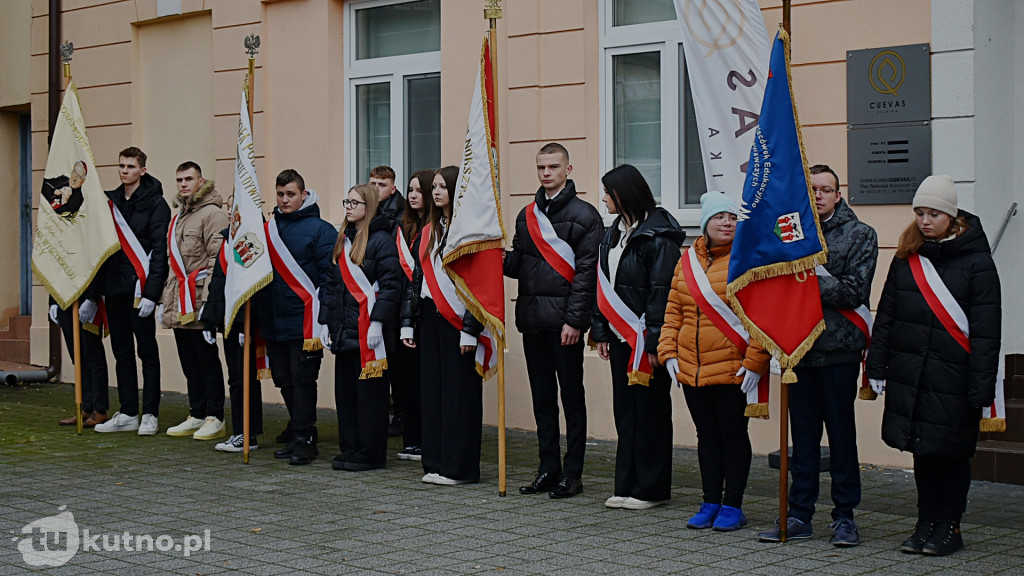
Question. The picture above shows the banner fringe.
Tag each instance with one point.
(65, 304)
(259, 285)
(993, 425)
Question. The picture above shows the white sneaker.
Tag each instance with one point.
(149, 426)
(637, 504)
(119, 423)
(212, 428)
(615, 501)
(235, 444)
(430, 478)
(186, 428)
(446, 481)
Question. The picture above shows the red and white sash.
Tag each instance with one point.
(132, 249)
(862, 319)
(630, 326)
(296, 279)
(443, 292)
(556, 252)
(186, 280)
(727, 322)
(374, 361)
(940, 300)
(404, 255)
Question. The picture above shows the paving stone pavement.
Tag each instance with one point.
(271, 518)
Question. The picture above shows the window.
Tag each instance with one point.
(647, 110)
(393, 74)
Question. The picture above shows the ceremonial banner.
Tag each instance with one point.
(472, 254)
(74, 231)
(248, 263)
(778, 241)
(726, 47)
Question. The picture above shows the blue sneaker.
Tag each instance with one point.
(844, 533)
(705, 516)
(729, 519)
(795, 530)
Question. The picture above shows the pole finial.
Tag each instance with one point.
(66, 49)
(492, 9)
(252, 45)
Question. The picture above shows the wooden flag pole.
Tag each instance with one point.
(492, 11)
(252, 43)
(784, 389)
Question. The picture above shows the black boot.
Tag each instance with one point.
(288, 450)
(305, 450)
(945, 539)
(915, 543)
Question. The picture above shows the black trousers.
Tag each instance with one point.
(723, 445)
(643, 423)
(451, 396)
(95, 396)
(362, 412)
(824, 396)
(234, 357)
(130, 333)
(295, 372)
(395, 377)
(553, 368)
(404, 365)
(204, 379)
(942, 486)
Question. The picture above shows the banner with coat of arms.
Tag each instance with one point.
(248, 262)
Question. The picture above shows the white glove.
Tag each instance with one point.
(878, 386)
(672, 365)
(820, 271)
(53, 313)
(241, 339)
(87, 312)
(159, 314)
(210, 338)
(325, 336)
(374, 335)
(146, 307)
(775, 367)
(750, 380)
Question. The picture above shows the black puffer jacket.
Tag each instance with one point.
(645, 272)
(310, 240)
(546, 300)
(410, 311)
(852, 255)
(934, 389)
(148, 215)
(339, 309)
(393, 208)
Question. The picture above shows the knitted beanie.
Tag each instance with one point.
(712, 203)
(937, 192)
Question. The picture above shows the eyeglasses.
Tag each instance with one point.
(824, 190)
(351, 203)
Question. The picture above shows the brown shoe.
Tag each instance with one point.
(73, 420)
(94, 419)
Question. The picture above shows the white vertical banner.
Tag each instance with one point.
(727, 50)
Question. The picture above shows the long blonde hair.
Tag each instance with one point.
(912, 238)
(372, 199)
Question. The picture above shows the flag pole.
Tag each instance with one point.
(66, 49)
(783, 386)
(492, 11)
(252, 43)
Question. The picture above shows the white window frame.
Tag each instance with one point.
(664, 37)
(392, 69)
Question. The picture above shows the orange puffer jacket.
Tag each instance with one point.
(706, 357)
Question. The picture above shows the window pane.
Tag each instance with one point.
(636, 102)
(422, 123)
(691, 179)
(642, 11)
(373, 128)
(407, 28)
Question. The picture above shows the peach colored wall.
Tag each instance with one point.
(10, 195)
(15, 57)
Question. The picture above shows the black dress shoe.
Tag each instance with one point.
(945, 539)
(287, 451)
(544, 482)
(362, 466)
(305, 451)
(915, 543)
(567, 488)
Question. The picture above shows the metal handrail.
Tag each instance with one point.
(1006, 220)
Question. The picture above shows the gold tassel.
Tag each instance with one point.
(759, 410)
(312, 345)
(639, 378)
(993, 425)
(866, 393)
(374, 369)
(789, 377)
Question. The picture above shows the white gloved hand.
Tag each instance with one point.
(750, 380)
(374, 335)
(241, 339)
(325, 336)
(53, 313)
(210, 337)
(87, 311)
(774, 367)
(820, 271)
(878, 386)
(146, 308)
(159, 314)
(672, 365)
